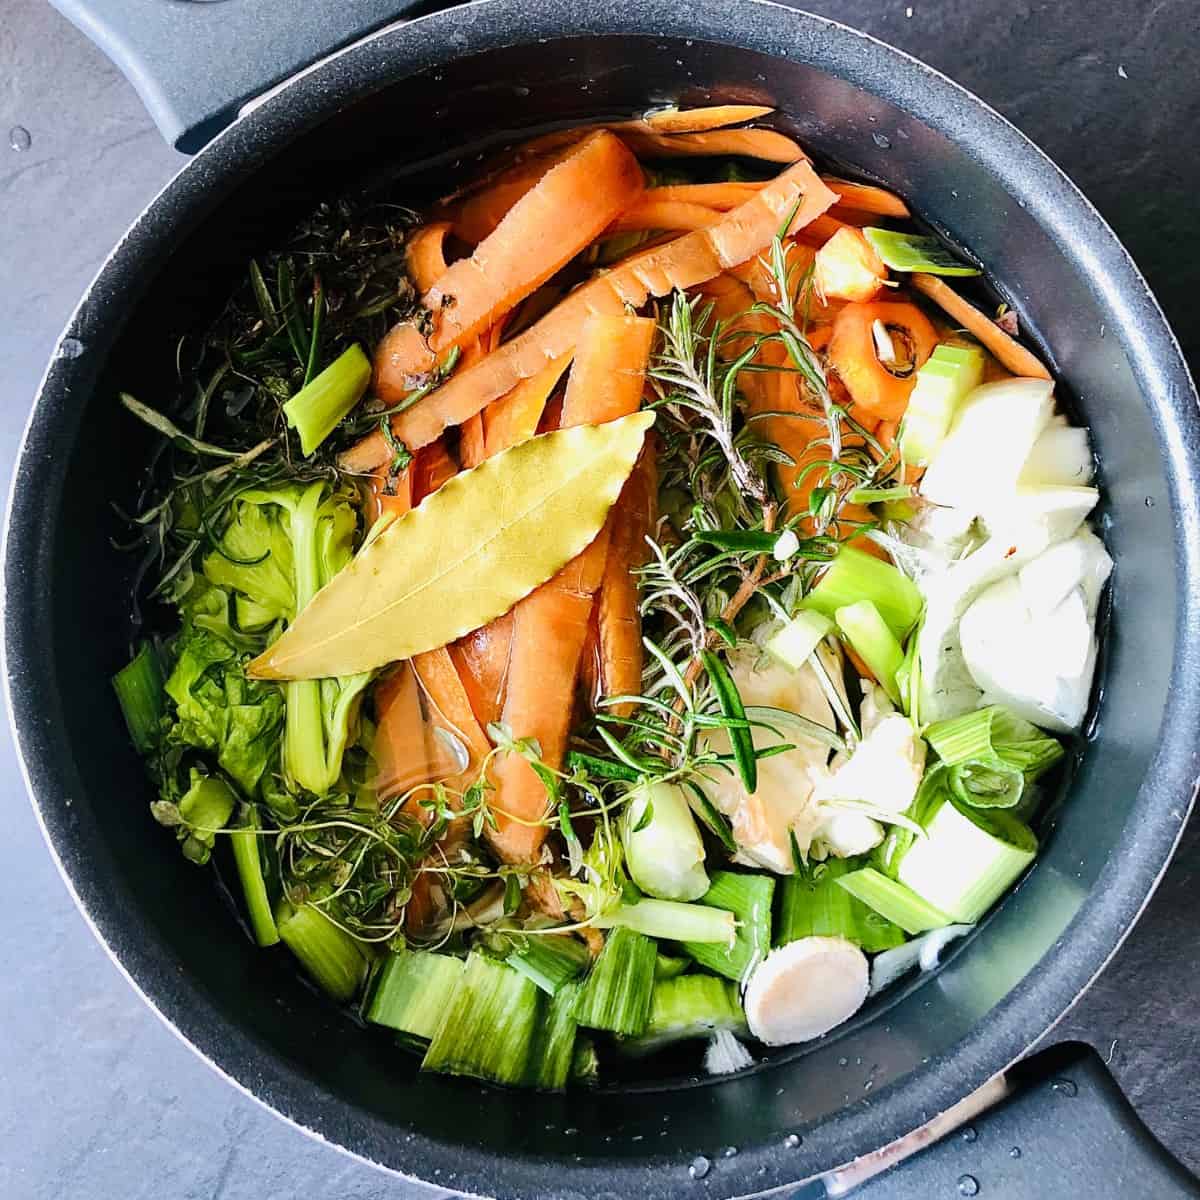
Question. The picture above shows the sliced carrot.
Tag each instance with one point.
(852, 354)
(443, 687)
(590, 688)
(745, 143)
(432, 466)
(797, 193)
(481, 658)
(721, 196)
(867, 198)
(650, 213)
(695, 120)
(847, 268)
(425, 255)
(1010, 352)
(567, 209)
(471, 444)
(401, 754)
(476, 216)
(608, 375)
(514, 418)
(388, 497)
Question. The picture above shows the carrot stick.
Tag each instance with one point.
(514, 418)
(431, 467)
(425, 255)
(443, 687)
(664, 214)
(867, 198)
(721, 196)
(823, 228)
(388, 497)
(481, 658)
(694, 120)
(567, 209)
(745, 143)
(476, 216)
(609, 373)
(401, 756)
(1011, 353)
(686, 261)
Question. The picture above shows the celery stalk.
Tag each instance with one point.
(139, 688)
(893, 901)
(330, 955)
(413, 992)
(796, 641)
(315, 410)
(247, 855)
(585, 1062)
(549, 960)
(855, 575)
(748, 898)
(553, 1048)
(672, 920)
(692, 1006)
(489, 1029)
(915, 252)
(942, 383)
(616, 995)
(205, 809)
(667, 966)
(813, 905)
(866, 630)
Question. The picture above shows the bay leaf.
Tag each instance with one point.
(484, 540)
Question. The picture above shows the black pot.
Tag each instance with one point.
(426, 94)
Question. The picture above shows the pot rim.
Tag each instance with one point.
(1045, 994)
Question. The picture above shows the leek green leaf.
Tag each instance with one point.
(482, 541)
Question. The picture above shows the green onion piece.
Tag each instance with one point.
(960, 739)
(855, 575)
(880, 495)
(988, 784)
(139, 688)
(585, 1062)
(413, 992)
(553, 1049)
(692, 1006)
(748, 898)
(671, 920)
(315, 410)
(866, 630)
(667, 966)
(949, 375)
(663, 849)
(549, 960)
(893, 901)
(796, 641)
(967, 860)
(811, 904)
(490, 1024)
(730, 700)
(330, 955)
(915, 252)
(247, 855)
(205, 809)
(616, 995)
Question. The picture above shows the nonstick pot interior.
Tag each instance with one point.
(905, 1057)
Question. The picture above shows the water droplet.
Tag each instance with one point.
(968, 1185)
(688, 42)
(792, 1141)
(954, 193)
(729, 1152)
(842, 1062)
(882, 141)
(521, 90)
(969, 1134)
(700, 1167)
(570, 1131)
(1149, 501)
(858, 1062)
(69, 347)
(868, 1085)
(1066, 1087)
(19, 139)
(1015, 1152)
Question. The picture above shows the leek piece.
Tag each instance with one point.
(796, 641)
(915, 252)
(553, 1050)
(994, 733)
(413, 992)
(692, 1006)
(616, 995)
(942, 383)
(986, 784)
(663, 849)
(550, 960)
(967, 860)
(489, 1029)
(205, 809)
(247, 855)
(855, 575)
(671, 920)
(585, 1062)
(893, 901)
(813, 905)
(908, 678)
(669, 966)
(139, 688)
(748, 898)
(868, 633)
(328, 954)
(316, 408)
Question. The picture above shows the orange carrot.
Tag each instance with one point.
(425, 255)
(823, 228)
(721, 196)
(746, 143)
(564, 212)
(867, 198)
(431, 467)
(664, 214)
(451, 706)
(514, 418)
(481, 658)
(608, 375)
(682, 263)
(694, 120)
(401, 755)
(389, 497)
(852, 354)
(1011, 353)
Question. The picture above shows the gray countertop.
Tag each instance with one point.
(98, 1100)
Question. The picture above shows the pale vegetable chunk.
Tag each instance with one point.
(806, 988)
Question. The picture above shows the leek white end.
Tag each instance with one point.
(663, 848)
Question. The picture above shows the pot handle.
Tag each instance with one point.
(1065, 1129)
(195, 62)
